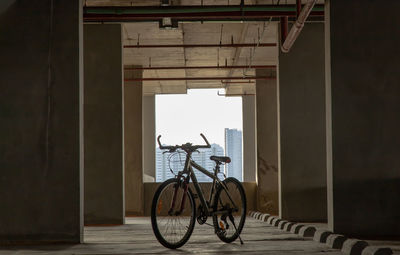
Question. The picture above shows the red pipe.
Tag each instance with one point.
(298, 8)
(235, 45)
(199, 67)
(90, 15)
(244, 94)
(298, 26)
(284, 28)
(237, 82)
(194, 17)
(201, 78)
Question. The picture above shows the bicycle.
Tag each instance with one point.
(173, 210)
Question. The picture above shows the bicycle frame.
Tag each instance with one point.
(188, 169)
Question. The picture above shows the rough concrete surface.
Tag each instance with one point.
(103, 175)
(249, 138)
(40, 144)
(267, 144)
(137, 237)
(133, 130)
(318, 232)
(302, 128)
(364, 91)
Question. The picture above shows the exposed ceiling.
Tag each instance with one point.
(196, 33)
(149, 33)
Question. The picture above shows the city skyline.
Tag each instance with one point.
(232, 148)
(177, 161)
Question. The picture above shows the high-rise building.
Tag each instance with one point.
(176, 162)
(233, 149)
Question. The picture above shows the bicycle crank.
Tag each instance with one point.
(201, 216)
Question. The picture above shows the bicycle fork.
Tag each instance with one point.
(185, 190)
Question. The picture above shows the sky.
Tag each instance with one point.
(181, 118)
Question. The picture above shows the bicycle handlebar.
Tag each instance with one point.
(187, 146)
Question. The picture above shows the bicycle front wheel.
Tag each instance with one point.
(230, 210)
(171, 226)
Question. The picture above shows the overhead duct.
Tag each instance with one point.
(298, 26)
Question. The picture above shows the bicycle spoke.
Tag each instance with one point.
(230, 203)
(172, 229)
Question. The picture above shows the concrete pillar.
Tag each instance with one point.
(363, 105)
(134, 190)
(267, 145)
(302, 128)
(149, 138)
(41, 127)
(249, 138)
(104, 178)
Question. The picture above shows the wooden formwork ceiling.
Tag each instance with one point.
(219, 60)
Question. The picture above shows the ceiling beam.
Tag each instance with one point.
(201, 67)
(192, 13)
(201, 78)
(228, 45)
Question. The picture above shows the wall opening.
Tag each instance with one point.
(181, 118)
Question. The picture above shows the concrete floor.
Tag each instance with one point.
(136, 237)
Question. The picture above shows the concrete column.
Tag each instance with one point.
(363, 105)
(249, 138)
(149, 138)
(267, 145)
(134, 190)
(104, 178)
(41, 128)
(302, 127)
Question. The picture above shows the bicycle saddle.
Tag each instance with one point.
(221, 159)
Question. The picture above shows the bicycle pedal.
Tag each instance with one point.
(220, 232)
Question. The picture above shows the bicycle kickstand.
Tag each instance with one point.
(234, 225)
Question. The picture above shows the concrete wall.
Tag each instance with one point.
(149, 136)
(133, 144)
(104, 179)
(250, 188)
(249, 138)
(40, 145)
(302, 127)
(363, 126)
(267, 145)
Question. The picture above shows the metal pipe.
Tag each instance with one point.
(298, 26)
(234, 45)
(284, 28)
(227, 95)
(298, 8)
(238, 82)
(191, 13)
(201, 78)
(199, 67)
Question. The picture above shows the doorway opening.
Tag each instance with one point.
(180, 118)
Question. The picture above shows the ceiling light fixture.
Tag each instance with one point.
(164, 2)
(168, 23)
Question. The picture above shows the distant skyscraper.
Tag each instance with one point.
(177, 162)
(233, 149)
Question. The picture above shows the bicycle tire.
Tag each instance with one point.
(225, 232)
(159, 215)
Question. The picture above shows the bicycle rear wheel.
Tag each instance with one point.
(231, 214)
(171, 227)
